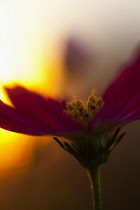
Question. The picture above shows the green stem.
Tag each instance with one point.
(93, 174)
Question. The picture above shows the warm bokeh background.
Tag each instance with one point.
(34, 172)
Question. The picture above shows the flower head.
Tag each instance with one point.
(96, 119)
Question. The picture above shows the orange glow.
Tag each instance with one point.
(33, 72)
(12, 146)
(26, 57)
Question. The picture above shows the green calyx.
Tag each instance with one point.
(92, 150)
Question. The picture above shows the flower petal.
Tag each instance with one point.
(46, 114)
(11, 120)
(122, 97)
(132, 117)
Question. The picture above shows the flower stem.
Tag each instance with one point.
(93, 174)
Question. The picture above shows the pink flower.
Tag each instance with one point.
(91, 127)
(35, 115)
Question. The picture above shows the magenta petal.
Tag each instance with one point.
(47, 113)
(131, 117)
(123, 95)
(11, 120)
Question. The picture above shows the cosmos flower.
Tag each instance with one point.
(91, 128)
(34, 114)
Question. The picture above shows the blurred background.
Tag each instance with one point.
(65, 48)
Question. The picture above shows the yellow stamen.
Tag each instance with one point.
(84, 112)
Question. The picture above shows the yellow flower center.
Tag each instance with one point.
(84, 112)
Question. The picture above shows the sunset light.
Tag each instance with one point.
(26, 57)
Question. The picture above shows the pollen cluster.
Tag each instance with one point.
(84, 112)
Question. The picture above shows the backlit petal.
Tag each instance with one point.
(45, 113)
(122, 96)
